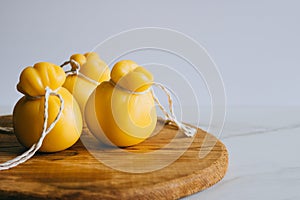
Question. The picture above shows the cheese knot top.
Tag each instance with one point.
(34, 80)
(129, 75)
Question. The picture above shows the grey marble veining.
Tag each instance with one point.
(264, 161)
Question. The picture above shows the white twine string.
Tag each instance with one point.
(77, 71)
(35, 147)
(7, 129)
(188, 130)
(126, 90)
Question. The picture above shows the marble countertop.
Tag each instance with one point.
(263, 145)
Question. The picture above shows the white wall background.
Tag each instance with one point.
(255, 43)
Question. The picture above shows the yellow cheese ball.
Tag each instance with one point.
(28, 114)
(92, 67)
(114, 114)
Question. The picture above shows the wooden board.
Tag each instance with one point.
(76, 174)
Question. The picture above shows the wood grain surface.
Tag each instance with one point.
(78, 173)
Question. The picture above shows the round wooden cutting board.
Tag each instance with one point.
(78, 173)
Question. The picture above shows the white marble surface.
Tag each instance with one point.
(263, 145)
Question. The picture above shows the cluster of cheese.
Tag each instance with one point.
(117, 106)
